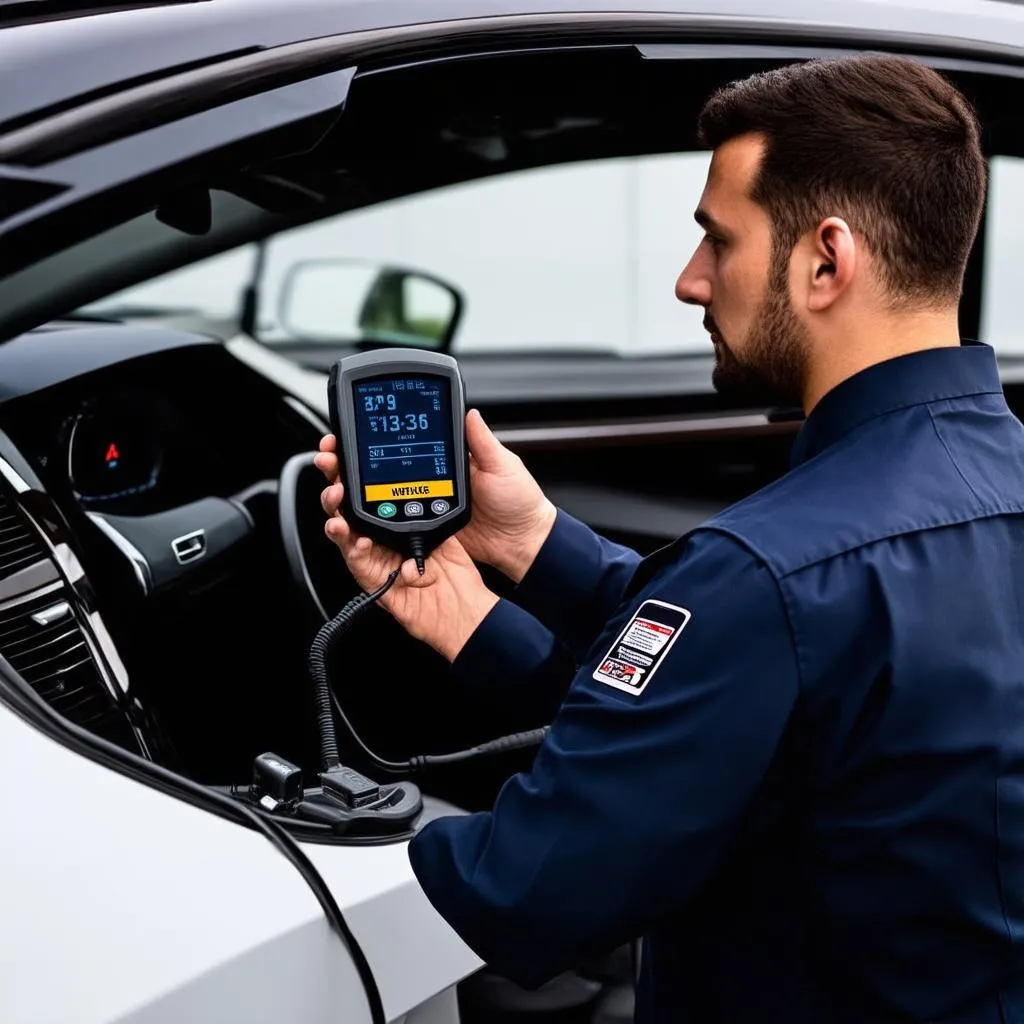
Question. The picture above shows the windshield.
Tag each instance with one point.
(581, 257)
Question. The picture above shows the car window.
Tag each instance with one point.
(1001, 324)
(578, 257)
(212, 288)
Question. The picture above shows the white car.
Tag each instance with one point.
(203, 205)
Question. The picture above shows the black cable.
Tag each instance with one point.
(391, 767)
(416, 552)
(325, 639)
(516, 741)
(503, 744)
(280, 838)
(28, 705)
(319, 649)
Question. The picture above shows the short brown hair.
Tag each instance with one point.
(884, 142)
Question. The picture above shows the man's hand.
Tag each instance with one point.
(511, 516)
(443, 607)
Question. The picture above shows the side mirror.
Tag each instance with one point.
(350, 302)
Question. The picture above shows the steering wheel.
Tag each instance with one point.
(315, 564)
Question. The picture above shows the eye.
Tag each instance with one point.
(714, 241)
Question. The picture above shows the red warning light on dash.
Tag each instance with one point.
(112, 456)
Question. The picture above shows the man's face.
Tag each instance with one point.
(760, 342)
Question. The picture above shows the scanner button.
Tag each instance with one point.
(414, 508)
(439, 507)
(386, 510)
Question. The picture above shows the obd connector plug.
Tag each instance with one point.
(348, 787)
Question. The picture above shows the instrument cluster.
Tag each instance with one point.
(114, 452)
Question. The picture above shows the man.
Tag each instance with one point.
(792, 754)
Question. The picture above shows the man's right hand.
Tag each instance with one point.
(511, 516)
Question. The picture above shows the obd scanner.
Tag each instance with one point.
(399, 418)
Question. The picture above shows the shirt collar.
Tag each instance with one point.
(929, 376)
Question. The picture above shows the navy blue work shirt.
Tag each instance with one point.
(792, 755)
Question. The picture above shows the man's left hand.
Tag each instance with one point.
(443, 607)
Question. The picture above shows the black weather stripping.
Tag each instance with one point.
(106, 119)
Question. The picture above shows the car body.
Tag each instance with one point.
(140, 675)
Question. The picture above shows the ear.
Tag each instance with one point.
(833, 263)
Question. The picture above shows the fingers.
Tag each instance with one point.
(367, 560)
(338, 530)
(487, 451)
(331, 498)
(411, 575)
(328, 465)
(326, 460)
(368, 563)
(439, 563)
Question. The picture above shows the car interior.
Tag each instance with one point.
(117, 436)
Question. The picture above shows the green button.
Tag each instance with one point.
(386, 510)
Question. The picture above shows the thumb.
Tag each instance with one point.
(487, 451)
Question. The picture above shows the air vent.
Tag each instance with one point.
(20, 545)
(43, 641)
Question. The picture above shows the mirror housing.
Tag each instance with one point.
(366, 305)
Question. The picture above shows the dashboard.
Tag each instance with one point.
(143, 581)
(136, 429)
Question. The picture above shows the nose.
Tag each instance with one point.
(693, 286)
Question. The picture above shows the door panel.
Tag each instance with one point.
(120, 903)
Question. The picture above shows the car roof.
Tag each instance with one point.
(54, 59)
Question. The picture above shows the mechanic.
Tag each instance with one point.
(788, 749)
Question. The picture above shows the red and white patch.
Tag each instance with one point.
(642, 645)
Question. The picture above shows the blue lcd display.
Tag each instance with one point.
(406, 446)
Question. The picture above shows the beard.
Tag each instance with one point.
(772, 369)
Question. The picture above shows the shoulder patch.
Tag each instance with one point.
(641, 647)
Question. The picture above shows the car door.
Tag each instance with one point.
(580, 439)
(123, 903)
(146, 897)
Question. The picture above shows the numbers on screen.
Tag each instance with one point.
(395, 423)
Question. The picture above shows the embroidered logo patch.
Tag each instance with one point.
(641, 647)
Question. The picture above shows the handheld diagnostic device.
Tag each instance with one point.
(399, 418)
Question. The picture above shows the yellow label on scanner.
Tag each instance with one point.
(418, 489)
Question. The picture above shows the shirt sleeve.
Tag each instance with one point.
(576, 582)
(515, 657)
(634, 797)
